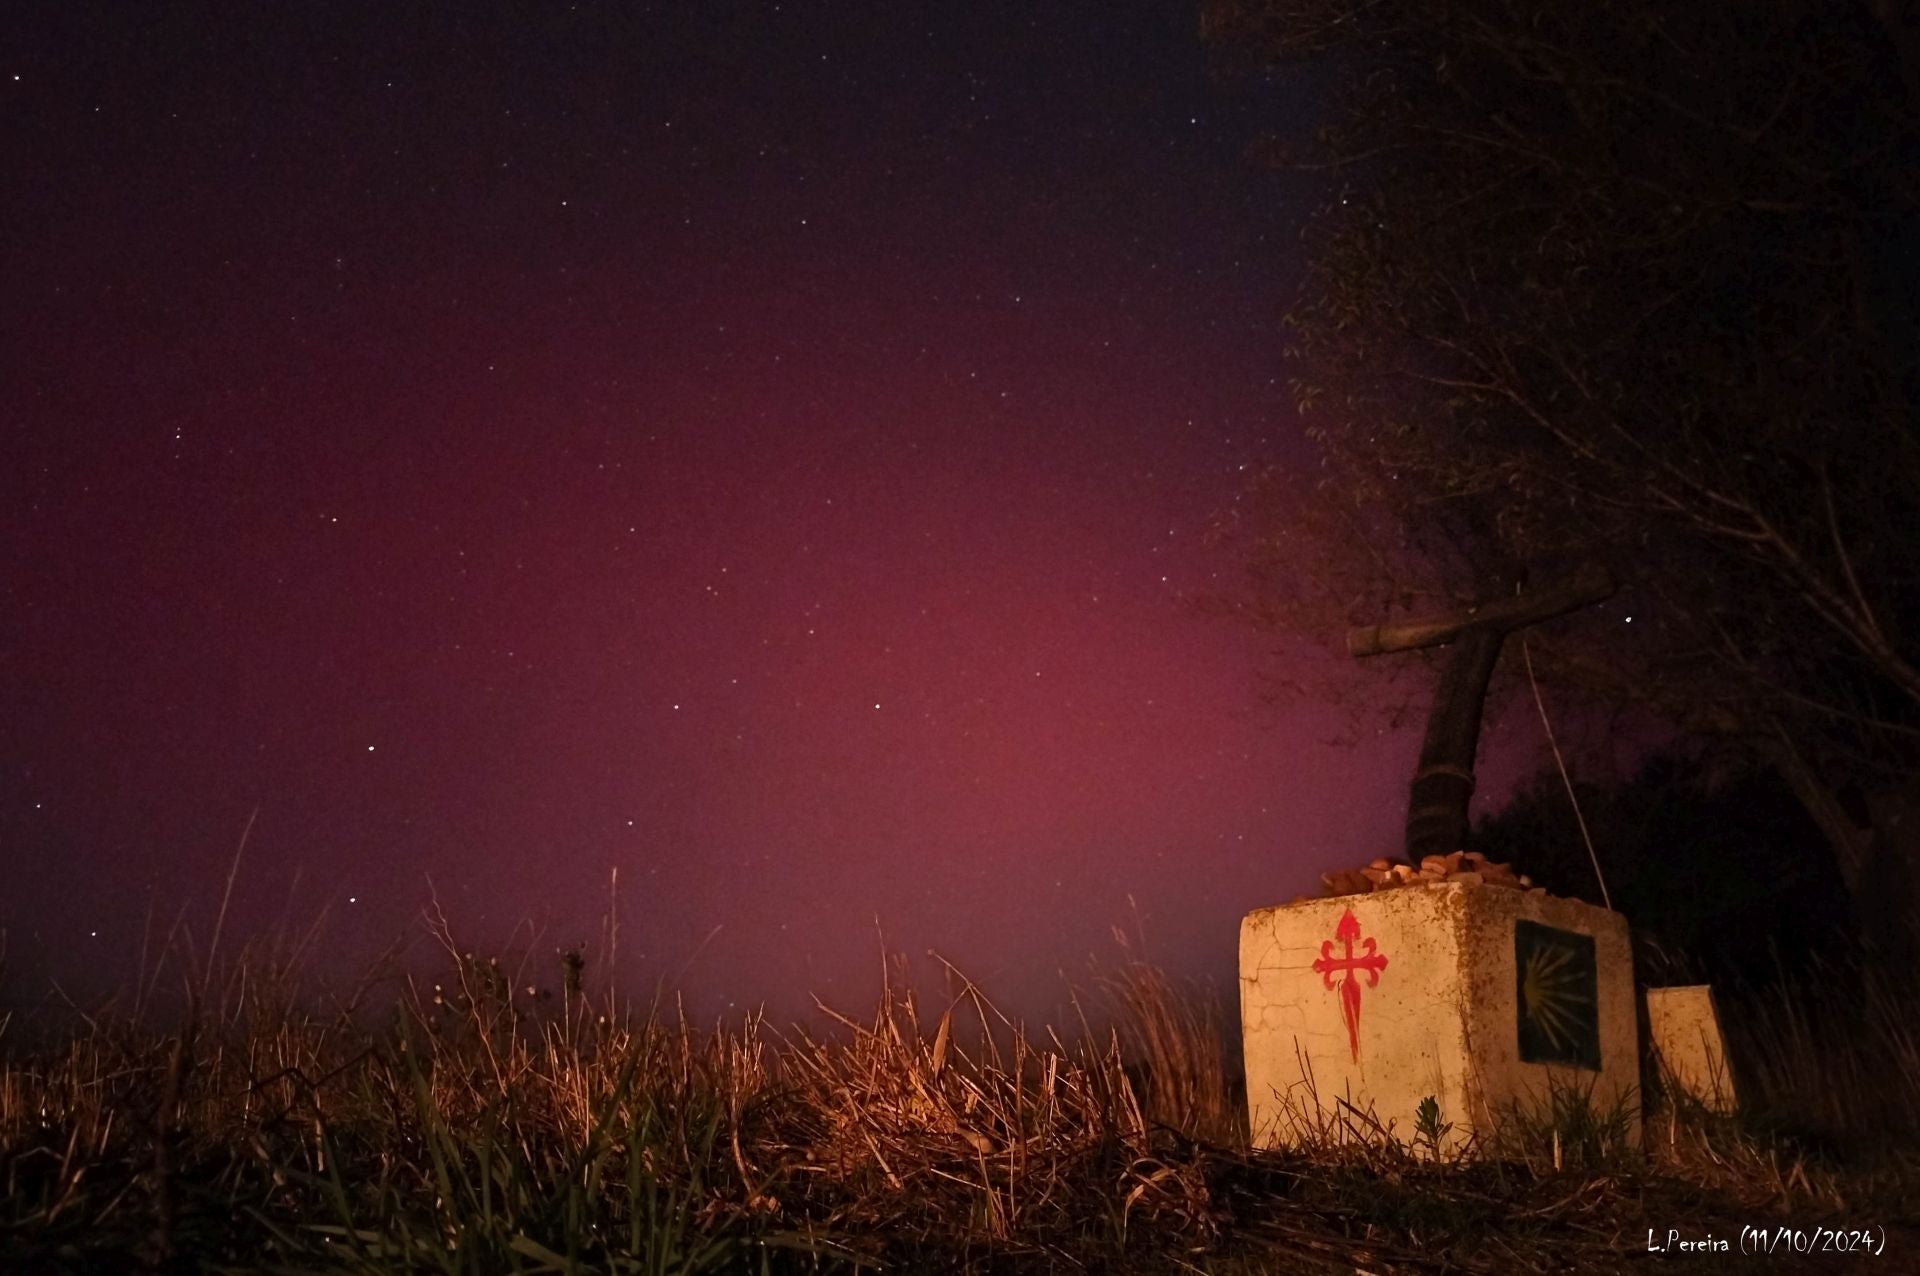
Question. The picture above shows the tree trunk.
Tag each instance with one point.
(1876, 858)
(1443, 783)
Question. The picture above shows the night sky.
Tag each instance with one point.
(762, 449)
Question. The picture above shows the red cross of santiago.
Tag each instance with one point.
(1349, 968)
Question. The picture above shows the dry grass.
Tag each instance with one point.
(485, 1123)
(1836, 1051)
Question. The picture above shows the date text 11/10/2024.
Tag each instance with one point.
(1775, 1240)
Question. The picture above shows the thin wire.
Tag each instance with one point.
(1527, 654)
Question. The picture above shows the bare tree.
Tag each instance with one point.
(1634, 284)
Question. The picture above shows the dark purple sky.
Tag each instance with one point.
(758, 448)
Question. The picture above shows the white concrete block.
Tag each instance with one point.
(1692, 1052)
(1478, 996)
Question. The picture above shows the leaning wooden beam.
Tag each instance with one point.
(1589, 586)
(1443, 780)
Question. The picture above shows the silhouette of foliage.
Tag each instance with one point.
(1717, 875)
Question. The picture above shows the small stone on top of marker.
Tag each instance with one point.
(1468, 868)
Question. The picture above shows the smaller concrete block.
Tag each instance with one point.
(1684, 1029)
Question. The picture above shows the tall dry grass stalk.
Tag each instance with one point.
(1838, 1049)
(1179, 1041)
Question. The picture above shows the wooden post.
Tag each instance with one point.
(1443, 781)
